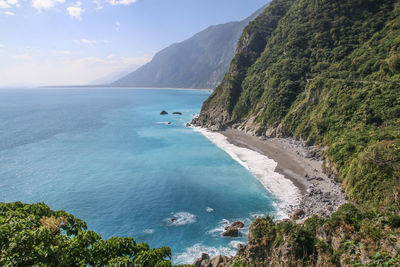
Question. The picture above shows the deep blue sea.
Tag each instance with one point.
(107, 156)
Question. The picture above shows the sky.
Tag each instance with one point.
(62, 42)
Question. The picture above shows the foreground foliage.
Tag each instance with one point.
(351, 237)
(36, 235)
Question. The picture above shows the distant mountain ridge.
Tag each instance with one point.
(198, 62)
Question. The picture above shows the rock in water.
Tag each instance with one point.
(238, 224)
(177, 113)
(163, 112)
(231, 231)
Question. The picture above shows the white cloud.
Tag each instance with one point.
(106, 41)
(121, 2)
(12, 2)
(9, 13)
(86, 41)
(76, 11)
(4, 4)
(117, 25)
(2, 46)
(45, 4)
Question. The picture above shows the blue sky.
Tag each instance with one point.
(62, 42)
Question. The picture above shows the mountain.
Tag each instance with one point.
(328, 73)
(199, 62)
(111, 77)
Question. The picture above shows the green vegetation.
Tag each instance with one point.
(35, 235)
(337, 241)
(329, 73)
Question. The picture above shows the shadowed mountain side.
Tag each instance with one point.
(199, 62)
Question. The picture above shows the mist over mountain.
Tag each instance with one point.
(198, 62)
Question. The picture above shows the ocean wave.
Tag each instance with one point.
(181, 218)
(263, 168)
(234, 244)
(194, 252)
(148, 231)
(209, 210)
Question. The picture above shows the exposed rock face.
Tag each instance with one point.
(217, 261)
(216, 112)
(203, 261)
(233, 229)
(199, 62)
(238, 224)
(298, 214)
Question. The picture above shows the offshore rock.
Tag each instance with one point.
(231, 231)
(237, 224)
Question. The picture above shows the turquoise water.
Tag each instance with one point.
(106, 157)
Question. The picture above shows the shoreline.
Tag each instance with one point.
(295, 162)
(286, 195)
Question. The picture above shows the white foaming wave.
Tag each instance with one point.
(208, 209)
(148, 231)
(262, 167)
(234, 244)
(181, 218)
(220, 228)
(194, 252)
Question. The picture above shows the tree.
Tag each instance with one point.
(36, 235)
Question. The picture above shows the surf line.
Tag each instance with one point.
(263, 169)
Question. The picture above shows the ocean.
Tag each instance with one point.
(108, 157)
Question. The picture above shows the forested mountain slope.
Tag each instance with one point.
(329, 73)
(199, 62)
(326, 72)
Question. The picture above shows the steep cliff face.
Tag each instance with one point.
(327, 72)
(198, 62)
(217, 109)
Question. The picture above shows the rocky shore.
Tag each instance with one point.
(304, 165)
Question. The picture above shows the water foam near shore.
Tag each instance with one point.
(263, 168)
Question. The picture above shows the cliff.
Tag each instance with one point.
(198, 62)
(328, 73)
